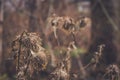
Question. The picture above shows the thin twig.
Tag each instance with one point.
(108, 16)
(20, 47)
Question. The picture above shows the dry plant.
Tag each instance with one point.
(62, 70)
(66, 24)
(29, 55)
(112, 72)
(82, 72)
(69, 26)
(96, 58)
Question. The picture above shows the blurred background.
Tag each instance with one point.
(102, 27)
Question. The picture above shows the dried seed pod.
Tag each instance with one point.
(82, 22)
(69, 24)
(112, 72)
(54, 22)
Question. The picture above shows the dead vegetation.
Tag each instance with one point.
(31, 57)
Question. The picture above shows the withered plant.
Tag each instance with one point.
(31, 58)
(112, 72)
(69, 26)
(62, 70)
(29, 55)
(66, 24)
(97, 57)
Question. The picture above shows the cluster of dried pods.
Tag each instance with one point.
(67, 23)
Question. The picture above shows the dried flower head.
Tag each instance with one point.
(112, 72)
(81, 22)
(30, 55)
(67, 23)
(60, 73)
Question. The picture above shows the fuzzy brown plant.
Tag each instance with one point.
(60, 73)
(112, 72)
(68, 25)
(62, 70)
(29, 55)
